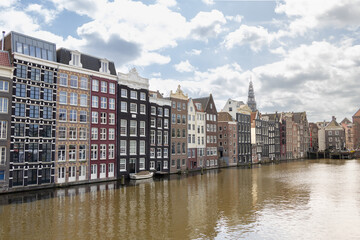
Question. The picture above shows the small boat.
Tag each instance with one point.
(141, 175)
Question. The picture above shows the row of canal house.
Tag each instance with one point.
(68, 117)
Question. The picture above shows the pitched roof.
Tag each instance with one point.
(4, 59)
(333, 125)
(63, 55)
(346, 121)
(203, 101)
(357, 114)
(224, 117)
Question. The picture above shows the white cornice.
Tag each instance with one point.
(133, 80)
(160, 101)
(6, 71)
(36, 60)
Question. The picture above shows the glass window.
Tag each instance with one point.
(4, 86)
(102, 151)
(62, 133)
(112, 103)
(83, 100)
(20, 90)
(94, 133)
(94, 117)
(21, 71)
(83, 116)
(124, 93)
(123, 106)
(142, 96)
(102, 133)
(35, 74)
(73, 99)
(73, 116)
(122, 164)
(141, 163)
(82, 152)
(33, 152)
(94, 151)
(103, 118)
(153, 110)
(142, 148)
(48, 76)
(133, 94)
(3, 129)
(133, 107)
(46, 131)
(63, 79)
(111, 152)
(133, 128)
(73, 81)
(72, 133)
(95, 101)
(61, 153)
(48, 94)
(34, 111)
(72, 152)
(142, 128)
(122, 147)
(132, 147)
(19, 129)
(83, 83)
(103, 102)
(111, 118)
(103, 87)
(19, 47)
(95, 85)
(166, 112)
(112, 88)
(123, 127)
(34, 92)
(111, 134)
(4, 103)
(63, 97)
(142, 109)
(83, 133)
(19, 153)
(47, 112)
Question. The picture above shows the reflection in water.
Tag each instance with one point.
(297, 200)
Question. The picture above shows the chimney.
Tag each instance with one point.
(2, 42)
(334, 118)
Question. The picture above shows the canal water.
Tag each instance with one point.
(309, 199)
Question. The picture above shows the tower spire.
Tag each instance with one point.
(251, 97)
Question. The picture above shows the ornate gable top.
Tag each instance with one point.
(179, 94)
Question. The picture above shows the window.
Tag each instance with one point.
(34, 92)
(95, 101)
(141, 163)
(111, 151)
(35, 74)
(72, 152)
(95, 85)
(166, 152)
(18, 177)
(63, 79)
(123, 147)
(82, 172)
(103, 118)
(62, 133)
(83, 100)
(142, 148)
(159, 137)
(73, 81)
(152, 137)
(159, 123)
(123, 127)
(73, 116)
(83, 116)
(48, 76)
(103, 87)
(34, 111)
(152, 152)
(142, 128)
(3, 129)
(152, 165)
(103, 103)
(19, 153)
(133, 94)
(112, 103)
(83, 83)
(183, 119)
(63, 97)
(102, 151)
(123, 93)
(73, 99)
(133, 107)
(4, 86)
(158, 153)
(48, 94)
(46, 131)
(20, 90)
(133, 128)
(93, 171)
(166, 123)
(33, 152)
(19, 130)
(122, 165)
(32, 176)
(112, 88)
(104, 66)
(111, 134)
(132, 147)
(111, 118)
(152, 122)
(160, 111)
(165, 163)
(166, 138)
(153, 110)
(94, 133)
(94, 150)
(61, 153)
(102, 133)
(142, 109)
(72, 133)
(47, 112)
(178, 118)
(166, 112)
(83, 133)
(173, 118)
(4, 103)
(142, 96)
(123, 107)
(21, 71)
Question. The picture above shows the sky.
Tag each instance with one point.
(302, 55)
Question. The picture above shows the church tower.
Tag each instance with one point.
(251, 97)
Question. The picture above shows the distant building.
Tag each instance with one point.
(227, 140)
(314, 137)
(6, 75)
(321, 135)
(334, 136)
(356, 126)
(274, 135)
(179, 115)
(232, 106)
(251, 97)
(208, 105)
(349, 133)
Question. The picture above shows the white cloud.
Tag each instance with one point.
(208, 2)
(256, 37)
(184, 66)
(48, 15)
(167, 3)
(195, 52)
(14, 20)
(207, 24)
(237, 18)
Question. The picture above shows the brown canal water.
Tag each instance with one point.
(310, 199)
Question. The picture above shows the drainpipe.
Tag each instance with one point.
(2, 42)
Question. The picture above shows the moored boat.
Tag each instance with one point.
(141, 175)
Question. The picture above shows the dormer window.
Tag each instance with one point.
(104, 66)
(75, 59)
